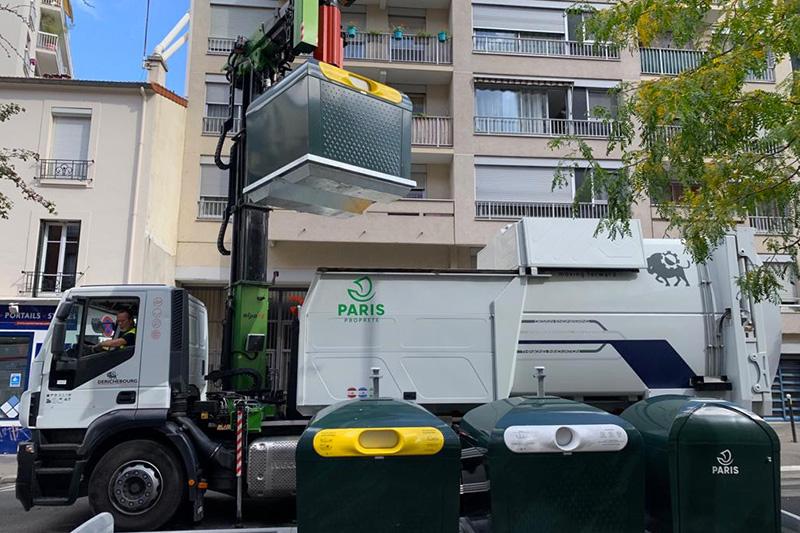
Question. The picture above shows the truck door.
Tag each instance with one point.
(99, 370)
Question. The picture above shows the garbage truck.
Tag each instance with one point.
(128, 412)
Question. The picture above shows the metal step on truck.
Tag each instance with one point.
(137, 429)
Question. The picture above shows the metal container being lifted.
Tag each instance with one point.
(328, 141)
(556, 465)
(378, 465)
(711, 467)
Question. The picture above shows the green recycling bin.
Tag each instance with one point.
(710, 466)
(378, 465)
(328, 141)
(556, 465)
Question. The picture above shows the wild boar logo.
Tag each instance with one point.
(666, 266)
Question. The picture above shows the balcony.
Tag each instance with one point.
(768, 225)
(36, 283)
(432, 131)
(524, 46)
(497, 210)
(543, 127)
(220, 46)
(213, 125)
(47, 41)
(52, 3)
(211, 207)
(384, 47)
(49, 60)
(64, 169)
(673, 61)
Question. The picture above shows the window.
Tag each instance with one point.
(100, 335)
(418, 101)
(575, 27)
(419, 174)
(786, 275)
(587, 192)
(14, 352)
(69, 147)
(410, 19)
(58, 257)
(213, 190)
(506, 183)
(533, 21)
(499, 110)
(218, 105)
(235, 21)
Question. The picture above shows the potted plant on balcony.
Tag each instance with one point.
(443, 36)
(352, 30)
(398, 31)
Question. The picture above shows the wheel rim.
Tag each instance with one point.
(135, 487)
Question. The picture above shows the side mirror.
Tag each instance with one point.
(58, 337)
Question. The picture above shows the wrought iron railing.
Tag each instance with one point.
(407, 49)
(36, 282)
(64, 169)
(769, 224)
(47, 41)
(525, 46)
(549, 127)
(211, 207)
(432, 131)
(487, 209)
(673, 61)
(220, 45)
(213, 125)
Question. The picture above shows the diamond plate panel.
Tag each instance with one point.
(348, 119)
(271, 470)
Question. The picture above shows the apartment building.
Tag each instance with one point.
(36, 38)
(492, 82)
(110, 159)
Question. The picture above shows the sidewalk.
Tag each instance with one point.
(8, 468)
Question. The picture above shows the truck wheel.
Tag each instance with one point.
(140, 483)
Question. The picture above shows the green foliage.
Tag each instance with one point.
(8, 158)
(726, 147)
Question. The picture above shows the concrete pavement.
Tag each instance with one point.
(8, 469)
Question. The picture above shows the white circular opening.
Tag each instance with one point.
(564, 437)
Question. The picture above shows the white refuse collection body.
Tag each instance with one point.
(617, 319)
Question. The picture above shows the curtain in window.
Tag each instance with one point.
(506, 111)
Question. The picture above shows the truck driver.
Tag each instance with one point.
(126, 333)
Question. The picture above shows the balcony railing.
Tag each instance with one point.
(213, 125)
(525, 46)
(512, 210)
(211, 207)
(408, 49)
(36, 282)
(432, 131)
(546, 127)
(769, 224)
(47, 41)
(665, 134)
(673, 61)
(220, 45)
(53, 3)
(64, 169)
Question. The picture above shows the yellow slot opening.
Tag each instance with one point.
(371, 439)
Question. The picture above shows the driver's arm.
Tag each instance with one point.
(113, 343)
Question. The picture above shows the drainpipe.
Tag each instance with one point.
(136, 187)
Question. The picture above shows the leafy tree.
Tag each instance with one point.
(722, 147)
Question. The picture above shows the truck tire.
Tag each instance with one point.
(141, 483)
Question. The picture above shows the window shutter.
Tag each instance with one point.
(71, 138)
(217, 93)
(518, 184)
(235, 21)
(213, 181)
(518, 18)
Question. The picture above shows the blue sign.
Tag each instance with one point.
(362, 392)
(15, 380)
(26, 317)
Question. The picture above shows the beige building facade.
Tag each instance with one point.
(492, 83)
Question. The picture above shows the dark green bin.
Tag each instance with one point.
(541, 481)
(710, 466)
(409, 487)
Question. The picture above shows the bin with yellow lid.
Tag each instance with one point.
(328, 141)
(378, 465)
